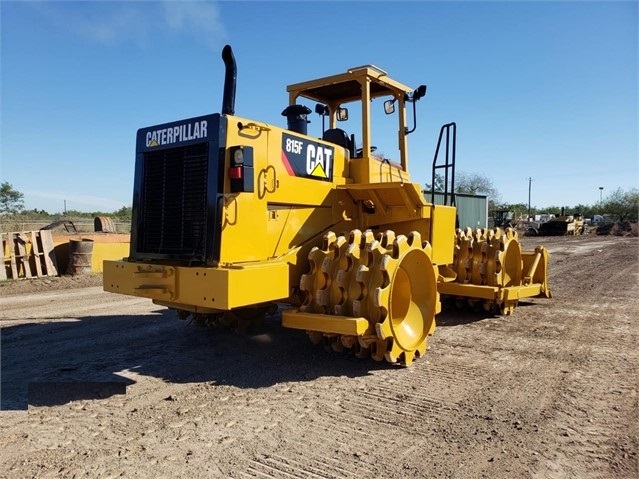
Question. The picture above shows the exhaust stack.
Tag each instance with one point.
(230, 80)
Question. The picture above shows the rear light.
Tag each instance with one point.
(235, 172)
(241, 169)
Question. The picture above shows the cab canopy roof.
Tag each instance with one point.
(347, 87)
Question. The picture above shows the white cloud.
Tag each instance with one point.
(120, 24)
(106, 23)
(111, 22)
(199, 19)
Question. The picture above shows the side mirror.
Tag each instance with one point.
(389, 107)
(342, 114)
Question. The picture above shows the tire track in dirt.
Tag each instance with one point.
(597, 335)
(275, 466)
(604, 357)
(354, 420)
(390, 408)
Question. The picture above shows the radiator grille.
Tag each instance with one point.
(174, 200)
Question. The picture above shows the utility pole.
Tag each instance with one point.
(529, 187)
(600, 194)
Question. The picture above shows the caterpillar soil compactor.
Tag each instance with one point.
(233, 216)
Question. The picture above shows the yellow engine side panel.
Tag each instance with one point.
(286, 210)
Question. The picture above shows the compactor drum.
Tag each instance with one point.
(376, 296)
(493, 272)
(233, 217)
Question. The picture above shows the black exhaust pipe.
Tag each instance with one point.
(230, 80)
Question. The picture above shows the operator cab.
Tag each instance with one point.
(358, 85)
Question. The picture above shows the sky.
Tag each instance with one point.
(544, 94)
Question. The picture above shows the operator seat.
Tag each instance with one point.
(340, 138)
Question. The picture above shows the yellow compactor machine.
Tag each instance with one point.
(233, 216)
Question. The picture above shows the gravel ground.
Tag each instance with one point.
(101, 385)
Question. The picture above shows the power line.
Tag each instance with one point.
(529, 188)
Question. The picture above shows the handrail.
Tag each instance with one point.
(448, 165)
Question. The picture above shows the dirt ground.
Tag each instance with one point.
(102, 385)
(49, 283)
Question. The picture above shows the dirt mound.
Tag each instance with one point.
(619, 228)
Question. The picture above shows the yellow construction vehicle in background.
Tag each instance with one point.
(233, 216)
(563, 225)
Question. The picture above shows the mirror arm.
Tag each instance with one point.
(406, 130)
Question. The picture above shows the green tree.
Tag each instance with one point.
(77, 214)
(552, 209)
(439, 183)
(584, 210)
(623, 205)
(124, 212)
(470, 184)
(519, 209)
(476, 184)
(11, 201)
